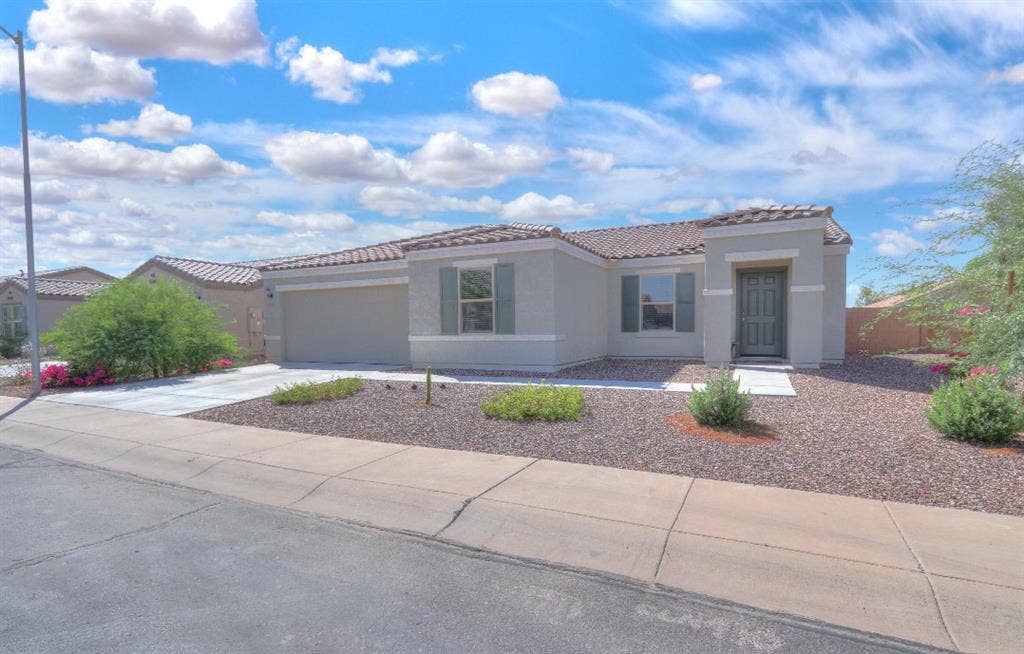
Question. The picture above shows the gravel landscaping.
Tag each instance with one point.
(855, 429)
(655, 370)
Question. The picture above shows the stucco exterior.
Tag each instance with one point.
(49, 309)
(239, 308)
(567, 303)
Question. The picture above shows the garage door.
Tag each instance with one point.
(353, 325)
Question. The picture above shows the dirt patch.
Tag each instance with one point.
(750, 434)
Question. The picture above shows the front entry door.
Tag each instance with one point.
(761, 313)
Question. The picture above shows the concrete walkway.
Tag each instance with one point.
(943, 577)
(180, 395)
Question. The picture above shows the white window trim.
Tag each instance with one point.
(642, 303)
(460, 268)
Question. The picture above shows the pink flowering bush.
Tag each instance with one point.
(57, 375)
(224, 362)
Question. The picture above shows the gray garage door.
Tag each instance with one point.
(358, 325)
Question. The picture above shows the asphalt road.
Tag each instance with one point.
(94, 561)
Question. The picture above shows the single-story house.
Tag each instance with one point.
(761, 283)
(56, 291)
(237, 288)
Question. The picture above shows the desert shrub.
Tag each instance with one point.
(536, 402)
(134, 327)
(977, 409)
(10, 347)
(309, 392)
(720, 403)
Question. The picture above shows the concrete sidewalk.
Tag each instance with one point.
(177, 396)
(943, 577)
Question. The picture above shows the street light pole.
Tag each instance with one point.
(33, 313)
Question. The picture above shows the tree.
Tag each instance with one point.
(135, 327)
(962, 283)
(868, 295)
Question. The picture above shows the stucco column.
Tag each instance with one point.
(718, 329)
(805, 326)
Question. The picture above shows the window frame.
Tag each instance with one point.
(18, 325)
(643, 302)
(490, 269)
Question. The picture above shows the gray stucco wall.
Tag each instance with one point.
(534, 309)
(653, 344)
(834, 321)
(581, 306)
(804, 326)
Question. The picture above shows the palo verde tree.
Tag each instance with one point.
(963, 284)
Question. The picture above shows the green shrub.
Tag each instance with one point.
(720, 403)
(134, 328)
(309, 392)
(10, 347)
(977, 410)
(535, 402)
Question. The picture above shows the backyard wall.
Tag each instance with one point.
(889, 334)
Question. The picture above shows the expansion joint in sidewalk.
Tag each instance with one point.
(468, 501)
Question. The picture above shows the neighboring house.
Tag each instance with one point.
(56, 292)
(236, 288)
(760, 283)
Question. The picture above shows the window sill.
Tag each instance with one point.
(466, 338)
(658, 334)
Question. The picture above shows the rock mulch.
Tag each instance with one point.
(855, 429)
(657, 370)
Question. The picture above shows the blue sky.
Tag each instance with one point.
(233, 130)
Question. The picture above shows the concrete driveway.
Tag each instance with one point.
(181, 395)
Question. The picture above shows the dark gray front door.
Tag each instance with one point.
(761, 316)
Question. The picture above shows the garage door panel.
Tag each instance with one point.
(352, 325)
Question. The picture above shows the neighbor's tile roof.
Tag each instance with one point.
(60, 287)
(393, 250)
(211, 271)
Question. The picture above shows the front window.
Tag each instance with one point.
(476, 300)
(13, 320)
(657, 302)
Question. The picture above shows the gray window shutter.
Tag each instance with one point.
(684, 302)
(504, 298)
(449, 301)
(631, 303)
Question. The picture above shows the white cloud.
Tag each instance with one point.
(410, 202)
(829, 157)
(307, 221)
(76, 74)
(130, 207)
(703, 13)
(99, 157)
(706, 82)
(686, 205)
(451, 159)
(595, 160)
(50, 191)
(219, 32)
(335, 78)
(336, 157)
(1009, 75)
(894, 243)
(517, 94)
(155, 123)
(535, 208)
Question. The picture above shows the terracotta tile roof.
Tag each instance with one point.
(632, 241)
(685, 237)
(394, 250)
(653, 240)
(210, 271)
(59, 287)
